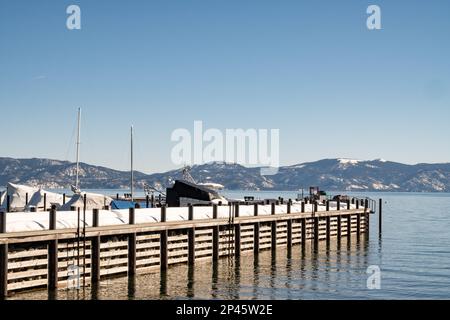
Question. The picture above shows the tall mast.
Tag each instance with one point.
(132, 171)
(77, 181)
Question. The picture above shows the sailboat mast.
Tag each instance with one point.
(77, 181)
(132, 169)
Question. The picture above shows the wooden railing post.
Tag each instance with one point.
(348, 204)
(288, 208)
(338, 204)
(190, 212)
(163, 214)
(327, 203)
(215, 215)
(303, 207)
(52, 254)
(255, 209)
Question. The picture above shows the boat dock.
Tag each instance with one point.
(62, 258)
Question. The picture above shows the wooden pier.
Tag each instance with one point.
(47, 259)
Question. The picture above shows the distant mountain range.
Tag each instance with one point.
(328, 174)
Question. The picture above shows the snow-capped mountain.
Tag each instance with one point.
(328, 174)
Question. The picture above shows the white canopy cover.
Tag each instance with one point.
(37, 200)
(93, 201)
(18, 194)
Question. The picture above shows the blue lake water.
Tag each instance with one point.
(413, 255)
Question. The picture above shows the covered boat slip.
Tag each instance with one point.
(24, 198)
(37, 221)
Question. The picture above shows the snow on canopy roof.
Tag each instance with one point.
(18, 194)
(52, 198)
(93, 201)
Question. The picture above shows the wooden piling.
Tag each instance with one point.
(236, 210)
(3, 259)
(237, 240)
(338, 204)
(132, 245)
(272, 211)
(163, 246)
(52, 254)
(3, 270)
(255, 209)
(316, 231)
(191, 238)
(303, 207)
(348, 204)
(358, 225)
(3, 222)
(26, 199)
(274, 235)
(339, 227)
(215, 244)
(357, 204)
(147, 201)
(45, 201)
(191, 246)
(303, 222)
(8, 203)
(288, 207)
(349, 226)
(380, 216)
(256, 227)
(289, 234)
(95, 249)
(327, 204)
(328, 229)
(64, 198)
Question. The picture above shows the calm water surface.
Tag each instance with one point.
(413, 254)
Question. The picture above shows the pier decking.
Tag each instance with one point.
(47, 259)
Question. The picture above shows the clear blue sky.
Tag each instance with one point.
(310, 68)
